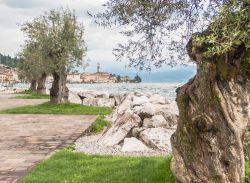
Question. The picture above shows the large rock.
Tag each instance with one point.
(126, 104)
(106, 102)
(133, 145)
(118, 99)
(136, 131)
(88, 94)
(74, 98)
(102, 95)
(158, 99)
(157, 138)
(146, 110)
(91, 101)
(137, 101)
(121, 128)
(170, 112)
(155, 121)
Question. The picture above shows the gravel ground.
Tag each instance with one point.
(91, 145)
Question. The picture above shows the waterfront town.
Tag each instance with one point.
(9, 76)
(97, 77)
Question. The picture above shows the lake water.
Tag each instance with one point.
(164, 89)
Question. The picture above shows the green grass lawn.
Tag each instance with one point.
(68, 166)
(31, 95)
(99, 125)
(66, 108)
(247, 172)
(25, 92)
(71, 167)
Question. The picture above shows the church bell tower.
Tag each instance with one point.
(98, 67)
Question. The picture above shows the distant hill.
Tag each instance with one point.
(8, 60)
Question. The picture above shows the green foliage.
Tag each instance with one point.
(230, 29)
(99, 124)
(8, 60)
(137, 79)
(32, 64)
(158, 31)
(247, 172)
(73, 167)
(118, 78)
(65, 108)
(58, 37)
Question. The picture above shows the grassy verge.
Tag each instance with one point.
(67, 108)
(31, 95)
(72, 167)
(248, 172)
(99, 125)
(25, 92)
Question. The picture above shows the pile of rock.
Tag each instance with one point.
(93, 98)
(140, 123)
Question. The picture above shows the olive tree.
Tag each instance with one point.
(32, 68)
(213, 106)
(60, 39)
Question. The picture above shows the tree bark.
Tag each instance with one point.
(33, 85)
(213, 106)
(41, 88)
(59, 91)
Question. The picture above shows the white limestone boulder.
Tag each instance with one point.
(106, 102)
(121, 128)
(133, 145)
(146, 110)
(126, 104)
(157, 138)
(155, 121)
(170, 112)
(137, 101)
(158, 99)
(91, 101)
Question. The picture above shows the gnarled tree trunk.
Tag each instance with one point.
(41, 88)
(33, 85)
(59, 91)
(213, 106)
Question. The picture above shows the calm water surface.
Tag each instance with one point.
(164, 89)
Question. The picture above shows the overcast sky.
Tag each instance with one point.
(100, 42)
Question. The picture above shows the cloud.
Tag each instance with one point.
(100, 41)
(24, 3)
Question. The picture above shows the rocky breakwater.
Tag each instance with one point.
(141, 124)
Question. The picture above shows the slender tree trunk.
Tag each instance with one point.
(41, 88)
(33, 85)
(59, 91)
(213, 106)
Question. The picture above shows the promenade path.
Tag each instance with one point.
(26, 139)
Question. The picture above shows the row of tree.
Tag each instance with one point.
(54, 46)
(137, 78)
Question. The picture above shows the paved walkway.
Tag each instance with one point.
(26, 139)
(6, 102)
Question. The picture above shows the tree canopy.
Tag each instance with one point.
(59, 37)
(158, 30)
(31, 65)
